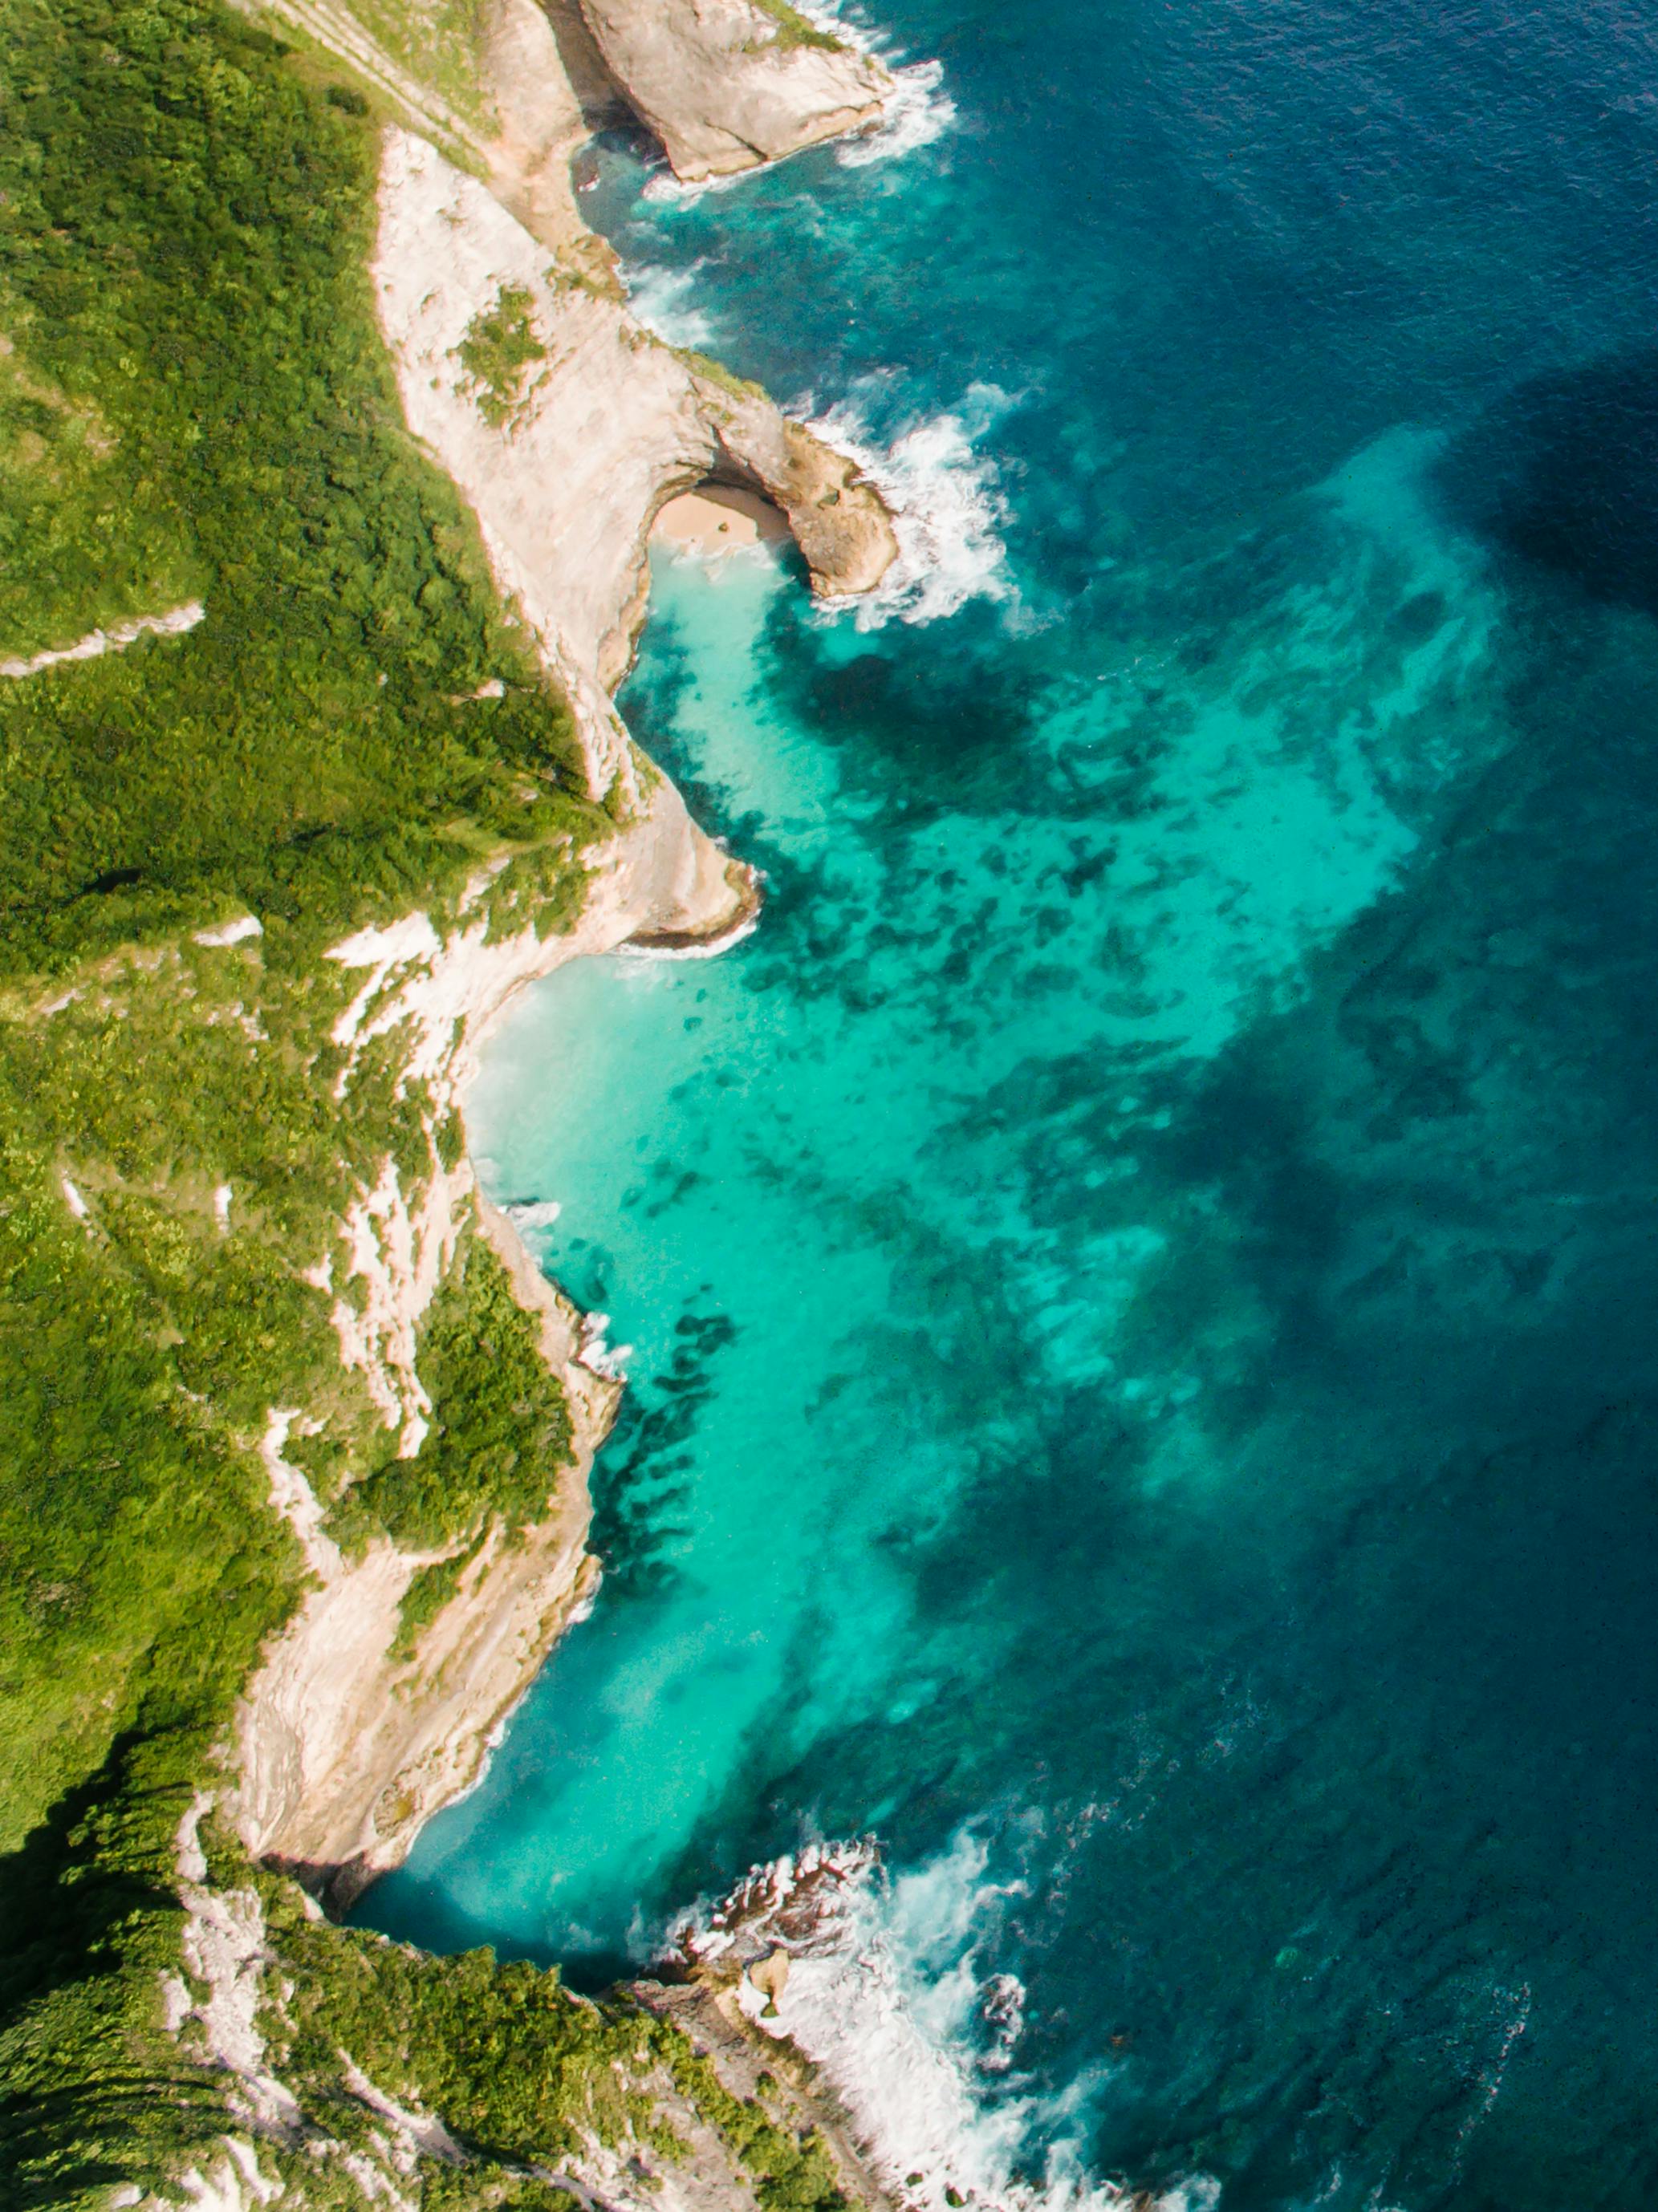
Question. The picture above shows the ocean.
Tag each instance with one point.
(1139, 1280)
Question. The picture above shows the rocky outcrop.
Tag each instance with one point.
(288, 2134)
(115, 639)
(728, 85)
(567, 470)
(754, 2062)
(551, 91)
(835, 515)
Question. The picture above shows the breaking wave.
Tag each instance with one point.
(947, 508)
(883, 1992)
(916, 114)
(661, 299)
(531, 1214)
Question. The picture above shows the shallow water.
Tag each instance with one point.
(1141, 1274)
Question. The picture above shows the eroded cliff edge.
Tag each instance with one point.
(730, 84)
(349, 1739)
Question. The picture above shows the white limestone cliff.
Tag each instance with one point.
(345, 1748)
(730, 84)
(609, 425)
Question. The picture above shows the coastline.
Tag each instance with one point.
(345, 1750)
(346, 1514)
(717, 520)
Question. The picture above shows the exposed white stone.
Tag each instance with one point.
(724, 91)
(414, 2135)
(96, 642)
(232, 932)
(225, 1955)
(292, 1495)
(607, 427)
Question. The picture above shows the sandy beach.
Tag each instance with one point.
(718, 520)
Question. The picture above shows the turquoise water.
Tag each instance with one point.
(1141, 1272)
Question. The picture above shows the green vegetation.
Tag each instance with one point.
(138, 1566)
(437, 42)
(517, 2068)
(194, 400)
(429, 1591)
(500, 1431)
(739, 387)
(97, 2093)
(77, 550)
(300, 754)
(790, 2172)
(497, 353)
(181, 265)
(92, 2092)
(795, 30)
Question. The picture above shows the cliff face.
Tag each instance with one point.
(567, 468)
(238, 1164)
(728, 85)
(462, 2085)
(346, 1745)
(567, 426)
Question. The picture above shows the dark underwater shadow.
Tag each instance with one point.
(1563, 475)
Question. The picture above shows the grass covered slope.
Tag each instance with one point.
(182, 270)
(185, 222)
(193, 399)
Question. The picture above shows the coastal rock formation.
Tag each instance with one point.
(567, 428)
(728, 85)
(289, 1142)
(835, 515)
(551, 91)
(567, 463)
(345, 1746)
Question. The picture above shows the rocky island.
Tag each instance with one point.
(336, 449)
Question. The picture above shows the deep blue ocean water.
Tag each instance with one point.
(1142, 1274)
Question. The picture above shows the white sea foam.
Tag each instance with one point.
(884, 1995)
(705, 948)
(533, 1214)
(916, 114)
(662, 188)
(947, 508)
(661, 300)
(596, 1353)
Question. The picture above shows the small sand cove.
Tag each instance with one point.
(718, 518)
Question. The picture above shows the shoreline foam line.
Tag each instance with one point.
(914, 113)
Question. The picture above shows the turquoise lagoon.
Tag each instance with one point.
(1141, 1276)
